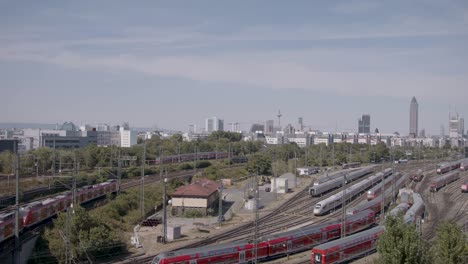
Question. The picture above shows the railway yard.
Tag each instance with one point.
(294, 211)
(291, 217)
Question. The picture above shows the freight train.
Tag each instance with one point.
(270, 246)
(37, 212)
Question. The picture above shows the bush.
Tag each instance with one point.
(185, 166)
(192, 213)
(203, 164)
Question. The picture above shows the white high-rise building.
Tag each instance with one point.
(214, 124)
(456, 126)
(128, 138)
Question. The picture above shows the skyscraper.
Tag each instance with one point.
(413, 120)
(269, 127)
(214, 124)
(454, 126)
(462, 127)
(364, 124)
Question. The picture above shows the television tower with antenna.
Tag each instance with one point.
(279, 118)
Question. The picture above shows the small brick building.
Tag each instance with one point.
(201, 196)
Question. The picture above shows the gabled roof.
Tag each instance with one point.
(202, 188)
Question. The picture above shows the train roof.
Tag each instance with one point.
(399, 208)
(6, 216)
(418, 203)
(445, 176)
(301, 231)
(350, 238)
(230, 246)
(375, 201)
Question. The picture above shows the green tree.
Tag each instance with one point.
(259, 163)
(450, 245)
(90, 238)
(401, 243)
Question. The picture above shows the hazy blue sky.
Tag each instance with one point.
(173, 63)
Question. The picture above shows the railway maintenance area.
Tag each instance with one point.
(287, 226)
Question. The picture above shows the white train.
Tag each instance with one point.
(335, 201)
(335, 181)
(377, 189)
(375, 204)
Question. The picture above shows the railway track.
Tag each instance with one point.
(448, 204)
(293, 212)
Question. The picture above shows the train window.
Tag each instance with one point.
(317, 206)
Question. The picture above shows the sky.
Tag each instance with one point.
(175, 63)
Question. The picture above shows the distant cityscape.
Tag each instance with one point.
(70, 136)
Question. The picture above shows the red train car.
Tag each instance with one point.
(235, 252)
(443, 180)
(270, 246)
(417, 176)
(305, 238)
(348, 248)
(464, 187)
(7, 225)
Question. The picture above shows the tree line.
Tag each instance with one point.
(402, 243)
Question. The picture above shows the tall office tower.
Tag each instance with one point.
(454, 126)
(364, 124)
(413, 120)
(214, 124)
(269, 127)
(300, 124)
(461, 129)
(442, 131)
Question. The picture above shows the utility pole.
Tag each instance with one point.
(343, 202)
(256, 221)
(295, 168)
(160, 164)
(382, 195)
(333, 150)
(119, 172)
(195, 159)
(229, 155)
(17, 252)
(165, 211)
(75, 167)
(142, 188)
(220, 206)
(53, 160)
(393, 179)
(67, 238)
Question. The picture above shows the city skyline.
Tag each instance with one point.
(325, 62)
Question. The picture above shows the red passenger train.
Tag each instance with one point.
(443, 180)
(37, 212)
(464, 187)
(347, 248)
(269, 246)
